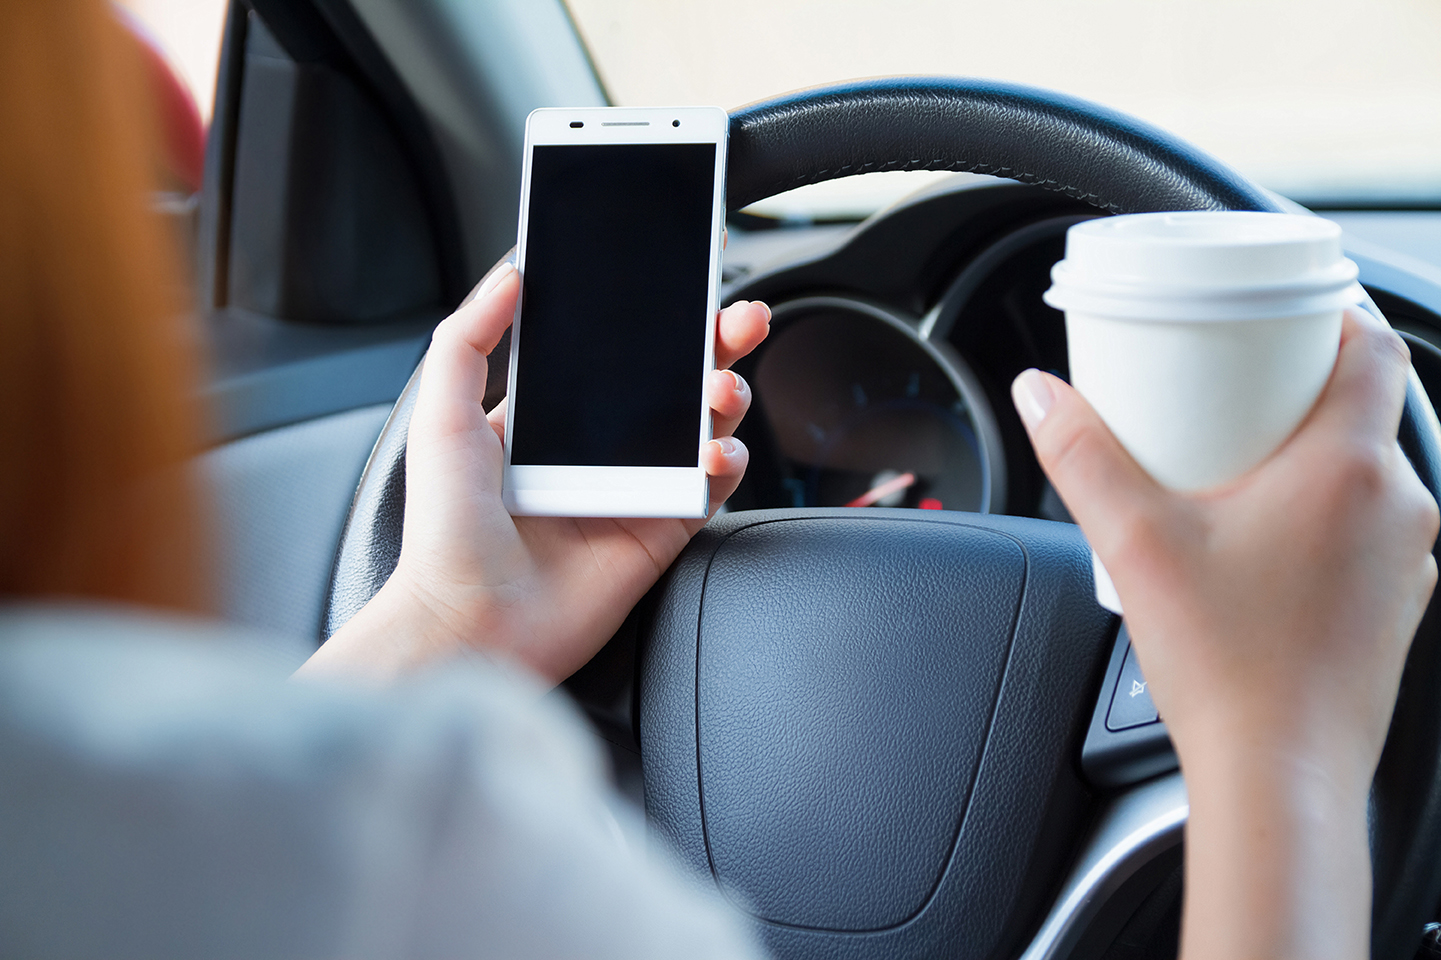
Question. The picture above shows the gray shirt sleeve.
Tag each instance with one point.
(164, 793)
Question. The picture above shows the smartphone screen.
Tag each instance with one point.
(614, 306)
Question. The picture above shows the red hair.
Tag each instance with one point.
(98, 373)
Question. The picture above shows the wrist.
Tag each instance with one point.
(1263, 778)
(402, 628)
(1279, 737)
(1278, 862)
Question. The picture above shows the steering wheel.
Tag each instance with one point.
(866, 724)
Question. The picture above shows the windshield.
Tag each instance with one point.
(1328, 102)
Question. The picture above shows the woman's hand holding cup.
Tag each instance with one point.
(1272, 613)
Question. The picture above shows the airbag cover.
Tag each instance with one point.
(845, 686)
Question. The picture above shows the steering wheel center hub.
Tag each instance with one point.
(838, 749)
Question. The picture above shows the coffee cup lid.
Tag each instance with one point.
(1204, 265)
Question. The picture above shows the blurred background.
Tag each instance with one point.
(1310, 97)
(188, 31)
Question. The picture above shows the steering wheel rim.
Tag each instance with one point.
(1061, 143)
(1085, 151)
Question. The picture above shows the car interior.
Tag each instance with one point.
(875, 699)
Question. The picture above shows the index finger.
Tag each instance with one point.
(1367, 389)
(739, 329)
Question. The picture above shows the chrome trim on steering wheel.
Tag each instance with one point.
(1136, 827)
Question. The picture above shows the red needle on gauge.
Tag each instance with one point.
(883, 490)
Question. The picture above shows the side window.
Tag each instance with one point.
(179, 41)
(187, 33)
(327, 223)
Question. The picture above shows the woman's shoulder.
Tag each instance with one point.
(32, 633)
(112, 678)
(158, 768)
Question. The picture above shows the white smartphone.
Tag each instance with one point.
(621, 218)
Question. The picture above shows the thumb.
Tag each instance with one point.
(1109, 494)
(452, 385)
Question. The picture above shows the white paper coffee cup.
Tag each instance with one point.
(1202, 339)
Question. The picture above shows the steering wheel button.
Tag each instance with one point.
(1131, 704)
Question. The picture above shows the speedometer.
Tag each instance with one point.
(854, 408)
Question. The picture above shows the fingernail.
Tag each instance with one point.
(726, 444)
(764, 306)
(1032, 394)
(496, 275)
(737, 384)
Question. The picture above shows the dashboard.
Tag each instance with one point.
(886, 378)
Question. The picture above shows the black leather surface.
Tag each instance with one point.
(865, 633)
(837, 747)
(1071, 146)
(370, 543)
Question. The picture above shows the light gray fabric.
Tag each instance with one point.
(165, 791)
(280, 500)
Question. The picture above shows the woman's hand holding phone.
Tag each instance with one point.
(544, 591)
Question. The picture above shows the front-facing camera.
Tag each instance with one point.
(675, 123)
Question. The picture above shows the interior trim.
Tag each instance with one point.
(1134, 829)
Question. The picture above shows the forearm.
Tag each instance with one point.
(1277, 857)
